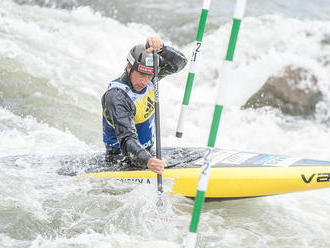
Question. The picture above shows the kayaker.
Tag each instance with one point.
(128, 105)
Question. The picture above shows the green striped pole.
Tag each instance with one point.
(191, 73)
(205, 169)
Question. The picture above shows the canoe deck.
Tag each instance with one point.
(233, 173)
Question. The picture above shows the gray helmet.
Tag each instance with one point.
(140, 61)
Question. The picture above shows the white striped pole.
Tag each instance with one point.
(205, 169)
(191, 73)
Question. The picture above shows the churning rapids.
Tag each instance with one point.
(56, 59)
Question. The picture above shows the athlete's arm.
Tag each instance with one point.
(170, 61)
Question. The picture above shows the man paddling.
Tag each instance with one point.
(128, 105)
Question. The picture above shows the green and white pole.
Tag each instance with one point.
(191, 240)
(191, 73)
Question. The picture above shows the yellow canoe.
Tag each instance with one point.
(237, 174)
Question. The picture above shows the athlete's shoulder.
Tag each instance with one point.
(118, 84)
(116, 97)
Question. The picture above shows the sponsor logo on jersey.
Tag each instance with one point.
(150, 107)
(145, 107)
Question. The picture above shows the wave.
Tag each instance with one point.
(26, 136)
(55, 65)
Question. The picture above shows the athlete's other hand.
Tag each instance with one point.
(157, 165)
(155, 43)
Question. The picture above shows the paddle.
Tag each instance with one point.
(157, 122)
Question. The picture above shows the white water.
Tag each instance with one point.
(54, 67)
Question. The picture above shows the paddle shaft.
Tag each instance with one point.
(157, 118)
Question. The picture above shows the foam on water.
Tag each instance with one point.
(54, 68)
(25, 136)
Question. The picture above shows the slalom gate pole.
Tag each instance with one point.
(191, 73)
(157, 119)
(205, 169)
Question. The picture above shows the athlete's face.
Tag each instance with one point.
(140, 80)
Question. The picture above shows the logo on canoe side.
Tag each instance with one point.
(320, 177)
(133, 180)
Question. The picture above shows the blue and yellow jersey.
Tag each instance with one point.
(143, 103)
